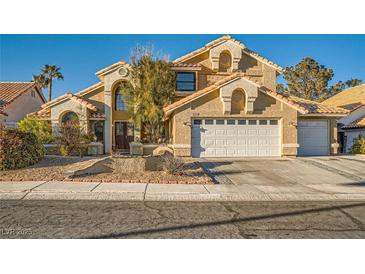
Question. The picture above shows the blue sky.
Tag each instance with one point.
(80, 56)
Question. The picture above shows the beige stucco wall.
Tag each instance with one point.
(97, 98)
(211, 106)
(22, 106)
(257, 70)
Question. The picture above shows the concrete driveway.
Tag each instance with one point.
(303, 175)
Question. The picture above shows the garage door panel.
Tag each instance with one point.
(220, 132)
(313, 138)
(235, 140)
(242, 132)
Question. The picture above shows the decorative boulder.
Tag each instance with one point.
(163, 150)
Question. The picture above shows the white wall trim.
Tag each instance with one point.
(291, 145)
(181, 146)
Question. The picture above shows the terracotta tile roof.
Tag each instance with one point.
(44, 114)
(302, 105)
(317, 108)
(359, 123)
(351, 98)
(245, 50)
(113, 66)
(73, 97)
(186, 65)
(10, 91)
(90, 89)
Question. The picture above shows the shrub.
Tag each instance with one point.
(359, 146)
(42, 129)
(172, 164)
(19, 149)
(72, 140)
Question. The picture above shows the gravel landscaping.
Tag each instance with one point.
(53, 169)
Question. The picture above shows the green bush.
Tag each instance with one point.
(19, 149)
(359, 146)
(42, 129)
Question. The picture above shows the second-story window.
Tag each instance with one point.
(119, 101)
(185, 81)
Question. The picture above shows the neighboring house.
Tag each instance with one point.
(3, 116)
(226, 106)
(352, 125)
(17, 99)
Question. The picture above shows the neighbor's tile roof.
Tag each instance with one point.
(359, 123)
(245, 50)
(10, 91)
(302, 105)
(350, 98)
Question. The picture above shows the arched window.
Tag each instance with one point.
(70, 116)
(225, 61)
(119, 101)
(237, 101)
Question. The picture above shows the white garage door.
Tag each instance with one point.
(235, 138)
(313, 137)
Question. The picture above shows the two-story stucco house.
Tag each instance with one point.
(17, 99)
(226, 106)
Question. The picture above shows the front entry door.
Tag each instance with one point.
(124, 134)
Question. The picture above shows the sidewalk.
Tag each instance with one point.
(43, 190)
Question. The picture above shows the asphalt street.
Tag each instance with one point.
(232, 220)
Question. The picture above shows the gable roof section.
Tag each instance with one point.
(351, 98)
(359, 123)
(224, 38)
(90, 89)
(110, 68)
(73, 97)
(301, 105)
(10, 91)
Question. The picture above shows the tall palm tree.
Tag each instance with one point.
(48, 73)
(40, 80)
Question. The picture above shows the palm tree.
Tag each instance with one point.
(48, 73)
(40, 80)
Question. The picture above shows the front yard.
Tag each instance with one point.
(53, 168)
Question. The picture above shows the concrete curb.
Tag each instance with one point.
(156, 192)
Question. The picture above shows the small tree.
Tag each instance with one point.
(151, 87)
(42, 129)
(359, 146)
(72, 140)
(310, 80)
